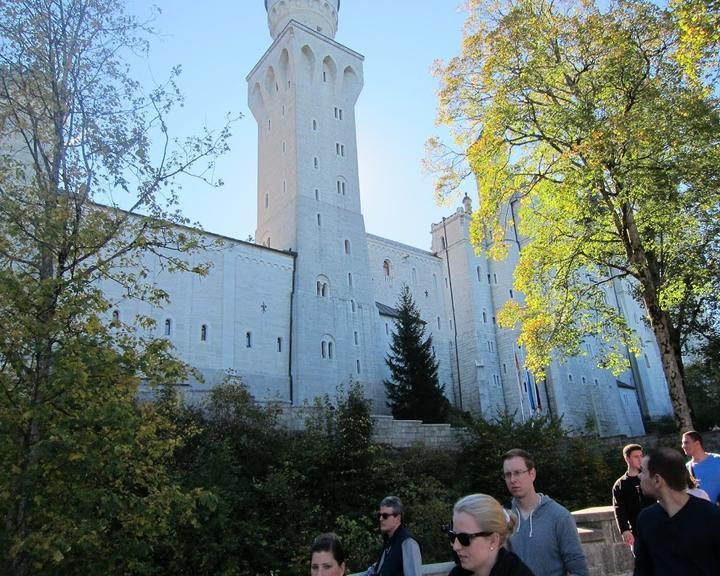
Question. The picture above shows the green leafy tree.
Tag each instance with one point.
(413, 390)
(586, 136)
(84, 487)
(699, 23)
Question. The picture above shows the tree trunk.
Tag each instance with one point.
(647, 274)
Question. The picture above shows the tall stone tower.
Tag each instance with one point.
(302, 94)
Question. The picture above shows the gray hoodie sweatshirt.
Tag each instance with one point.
(547, 540)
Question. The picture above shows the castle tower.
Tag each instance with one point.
(302, 94)
(318, 15)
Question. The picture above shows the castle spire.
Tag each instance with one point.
(318, 15)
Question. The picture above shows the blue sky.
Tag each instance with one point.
(217, 43)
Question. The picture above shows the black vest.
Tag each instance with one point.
(392, 562)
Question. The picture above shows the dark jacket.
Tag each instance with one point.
(627, 501)
(391, 559)
(507, 564)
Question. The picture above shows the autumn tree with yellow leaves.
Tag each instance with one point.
(581, 117)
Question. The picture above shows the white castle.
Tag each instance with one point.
(309, 306)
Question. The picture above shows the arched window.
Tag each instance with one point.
(248, 340)
(386, 267)
(322, 286)
(352, 306)
(347, 246)
(350, 279)
(330, 350)
(319, 220)
(116, 317)
(279, 344)
(203, 333)
(323, 349)
(168, 326)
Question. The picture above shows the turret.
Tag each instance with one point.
(318, 15)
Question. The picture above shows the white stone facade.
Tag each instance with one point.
(309, 306)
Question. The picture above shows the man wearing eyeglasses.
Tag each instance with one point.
(546, 538)
(681, 533)
(401, 552)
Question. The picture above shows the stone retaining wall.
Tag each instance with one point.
(606, 553)
(409, 433)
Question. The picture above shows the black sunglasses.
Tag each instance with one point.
(385, 515)
(463, 537)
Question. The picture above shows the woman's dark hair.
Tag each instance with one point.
(329, 542)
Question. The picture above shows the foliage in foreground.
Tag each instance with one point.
(225, 489)
(274, 490)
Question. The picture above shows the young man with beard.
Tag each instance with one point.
(680, 535)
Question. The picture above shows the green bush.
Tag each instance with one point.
(268, 492)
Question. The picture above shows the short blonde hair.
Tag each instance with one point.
(488, 513)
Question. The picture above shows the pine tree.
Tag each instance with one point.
(413, 391)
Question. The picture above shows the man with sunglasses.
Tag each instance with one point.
(401, 553)
(546, 538)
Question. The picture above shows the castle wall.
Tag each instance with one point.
(237, 318)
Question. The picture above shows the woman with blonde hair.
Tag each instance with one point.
(480, 528)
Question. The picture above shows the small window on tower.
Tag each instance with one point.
(316, 162)
(314, 124)
(203, 333)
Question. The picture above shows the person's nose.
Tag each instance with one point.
(455, 545)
